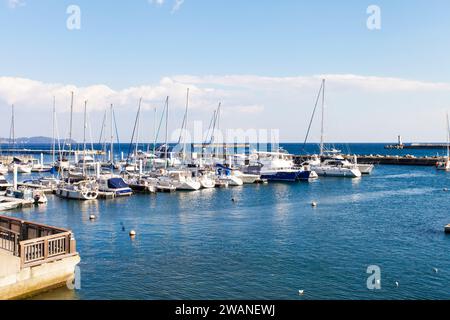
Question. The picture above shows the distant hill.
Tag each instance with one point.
(33, 140)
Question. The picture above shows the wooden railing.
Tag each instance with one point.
(34, 243)
(37, 251)
(9, 241)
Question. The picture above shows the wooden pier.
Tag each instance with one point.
(34, 257)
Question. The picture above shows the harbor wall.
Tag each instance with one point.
(16, 282)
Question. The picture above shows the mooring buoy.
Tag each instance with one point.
(92, 217)
(132, 233)
(314, 204)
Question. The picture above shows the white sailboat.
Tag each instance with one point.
(445, 165)
(183, 180)
(83, 190)
(332, 165)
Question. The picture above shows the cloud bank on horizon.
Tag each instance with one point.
(356, 106)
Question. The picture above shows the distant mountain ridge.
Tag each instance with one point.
(34, 140)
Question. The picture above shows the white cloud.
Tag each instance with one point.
(361, 108)
(15, 3)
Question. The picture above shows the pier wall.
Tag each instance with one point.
(16, 283)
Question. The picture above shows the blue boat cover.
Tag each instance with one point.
(116, 183)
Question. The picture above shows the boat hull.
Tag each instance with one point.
(76, 195)
(289, 176)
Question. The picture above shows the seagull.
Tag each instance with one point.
(301, 292)
(397, 284)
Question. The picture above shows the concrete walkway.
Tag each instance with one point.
(9, 264)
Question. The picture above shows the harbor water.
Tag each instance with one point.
(267, 244)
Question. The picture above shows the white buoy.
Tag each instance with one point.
(301, 292)
(436, 270)
(92, 217)
(397, 284)
(314, 204)
(132, 233)
(445, 189)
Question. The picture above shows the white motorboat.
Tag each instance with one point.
(335, 167)
(87, 162)
(365, 168)
(82, 190)
(28, 194)
(4, 185)
(142, 184)
(115, 184)
(279, 166)
(207, 180)
(37, 166)
(3, 169)
(22, 167)
(183, 180)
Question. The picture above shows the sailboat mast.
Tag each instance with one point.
(185, 124)
(167, 130)
(137, 131)
(448, 139)
(54, 130)
(12, 135)
(323, 113)
(84, 135)
(70, 125)
(154, 133)
(111, 156)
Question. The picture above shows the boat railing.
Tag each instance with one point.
(35, 244)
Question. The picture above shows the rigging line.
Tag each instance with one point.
(312, 116)
(117, 131)
(134, 131)
(103, 127)
(160, 124)
(209, 128)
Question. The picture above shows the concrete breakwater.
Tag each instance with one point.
(408, 160)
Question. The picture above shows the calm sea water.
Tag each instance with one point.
(268, 244)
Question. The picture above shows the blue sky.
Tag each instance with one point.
(128, 44)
